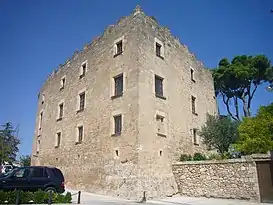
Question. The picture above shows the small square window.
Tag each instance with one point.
(58, 140)
(159, 118)
(193, 104)
(195, 138)
(118, 125)
(80, 134)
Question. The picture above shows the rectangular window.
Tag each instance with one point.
(195, 140)
(192, 75)
(43, 98)
(118, 85)
(82, 101)
(38, 144)
(58, 140)
(160, 125)
(80, 134)
(118, 124)
(159, 87)
(37, 172)
(83, 70)
(119, 47)
(193, 104)
(61, 110)
(41, 120)
(62, 83)
(158, 49)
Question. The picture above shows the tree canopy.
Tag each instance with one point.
(237, 81)
(219, 133)
(256, 133)
(25, 160)
(8, 143)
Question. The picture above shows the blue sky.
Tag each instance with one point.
(36, 36)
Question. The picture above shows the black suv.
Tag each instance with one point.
(33, 178)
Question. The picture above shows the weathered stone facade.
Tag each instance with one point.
(236, 179)
(155, 129)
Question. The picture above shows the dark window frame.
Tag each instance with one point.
(61, 111)
(159, 87)
(160, 118)
(41, 120)
(38, 143)
(83, 69)
(118, 48)
(192, 75)
(118, 86)
(80, 134)
(117, 125)
(59, 135)
(43, 99)
(158, 49)
(81, 101)
(193, 105)
(63, 83)
(195, 140)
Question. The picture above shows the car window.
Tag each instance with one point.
(21, 173)
(58, 173)
(46, 173)
(7, 173)
(37, 172)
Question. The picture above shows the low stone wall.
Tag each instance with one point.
(236, 179)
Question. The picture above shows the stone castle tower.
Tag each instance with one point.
(116, 115)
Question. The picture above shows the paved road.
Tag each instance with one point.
(94, 199)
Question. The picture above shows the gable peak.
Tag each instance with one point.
(137, 10)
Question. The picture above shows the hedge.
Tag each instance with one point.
(38, 197)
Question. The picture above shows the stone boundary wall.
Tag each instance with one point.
(231, 179)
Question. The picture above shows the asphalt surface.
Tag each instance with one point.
(94, 199)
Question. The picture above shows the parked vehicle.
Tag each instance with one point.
(33, 178)
(6, 168)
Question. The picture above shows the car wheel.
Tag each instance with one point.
(50, 189)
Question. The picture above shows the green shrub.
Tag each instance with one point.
(26, 197)
(226, 155)
(67, 198)
(2, 197)
(198, 157)
(38, 197)
(185, 157)
(10, 197)
(215, 156)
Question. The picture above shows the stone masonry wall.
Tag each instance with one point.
(236, 179)
(93, 165)
(144, 162)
